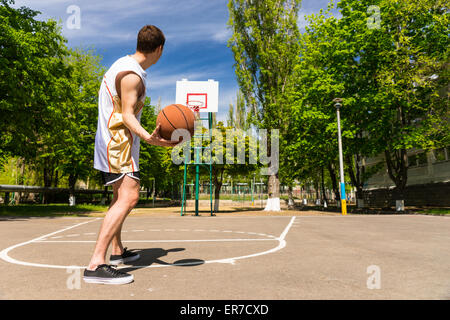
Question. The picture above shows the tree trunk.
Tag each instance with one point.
(291, 198)
(218, 181)
(217, 188)
(273, 203)
(72, 181)
(47, 183)
(356, 178)
(334, 182)
(55, 181)
(20, 180)
(316, 189)
(324, 195)
(398, 172)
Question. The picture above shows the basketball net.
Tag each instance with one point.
(195, 106)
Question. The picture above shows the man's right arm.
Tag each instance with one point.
(129, 97)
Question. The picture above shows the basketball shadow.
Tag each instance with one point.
(150, 256)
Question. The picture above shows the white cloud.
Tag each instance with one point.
(194, 23)
(159, 80)
(117, 20)
(222, 35)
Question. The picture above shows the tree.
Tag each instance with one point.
(34, 85)
(78, 118)
(229, 162)
(265, 48)
(33, 78)
(388, 78)
(311, 141)
(403, 64)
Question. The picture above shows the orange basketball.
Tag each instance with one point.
(175, 116)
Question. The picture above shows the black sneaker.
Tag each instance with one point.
(126, 256)
(107, 275)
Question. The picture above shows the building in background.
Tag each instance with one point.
(428, 180)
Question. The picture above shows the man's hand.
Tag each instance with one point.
(156, 140)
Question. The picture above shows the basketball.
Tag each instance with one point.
(175, 116)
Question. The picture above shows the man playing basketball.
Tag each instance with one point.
(121, 99)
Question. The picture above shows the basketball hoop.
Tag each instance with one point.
(199, 96)
(195, 105)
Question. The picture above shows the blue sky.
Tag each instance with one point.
(196, 38)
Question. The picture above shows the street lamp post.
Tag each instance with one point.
(338, 105)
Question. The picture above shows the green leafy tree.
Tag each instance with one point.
(34, 84)
(265, 47)
(78, 117)
(33, 78)
(401, 75)
(227, 162)
(311, 141)
(389, 78)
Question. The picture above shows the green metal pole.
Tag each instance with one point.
(183, 207)
(253, 185)
(210, 162)
(197, 174)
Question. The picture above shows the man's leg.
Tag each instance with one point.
(116, 243)
(127, 198)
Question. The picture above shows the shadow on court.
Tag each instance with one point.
(150, 256)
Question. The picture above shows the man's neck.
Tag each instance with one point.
(144, 61)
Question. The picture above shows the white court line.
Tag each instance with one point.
(280, 239)
(281, 245)
(4, 253)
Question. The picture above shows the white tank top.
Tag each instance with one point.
(116, 147)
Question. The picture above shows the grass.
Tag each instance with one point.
(435, 211)
(42, 210)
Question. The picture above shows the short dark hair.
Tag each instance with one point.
(149, 39)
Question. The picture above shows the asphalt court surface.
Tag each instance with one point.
(268, 257)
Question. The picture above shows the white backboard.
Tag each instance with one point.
(205, 94)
